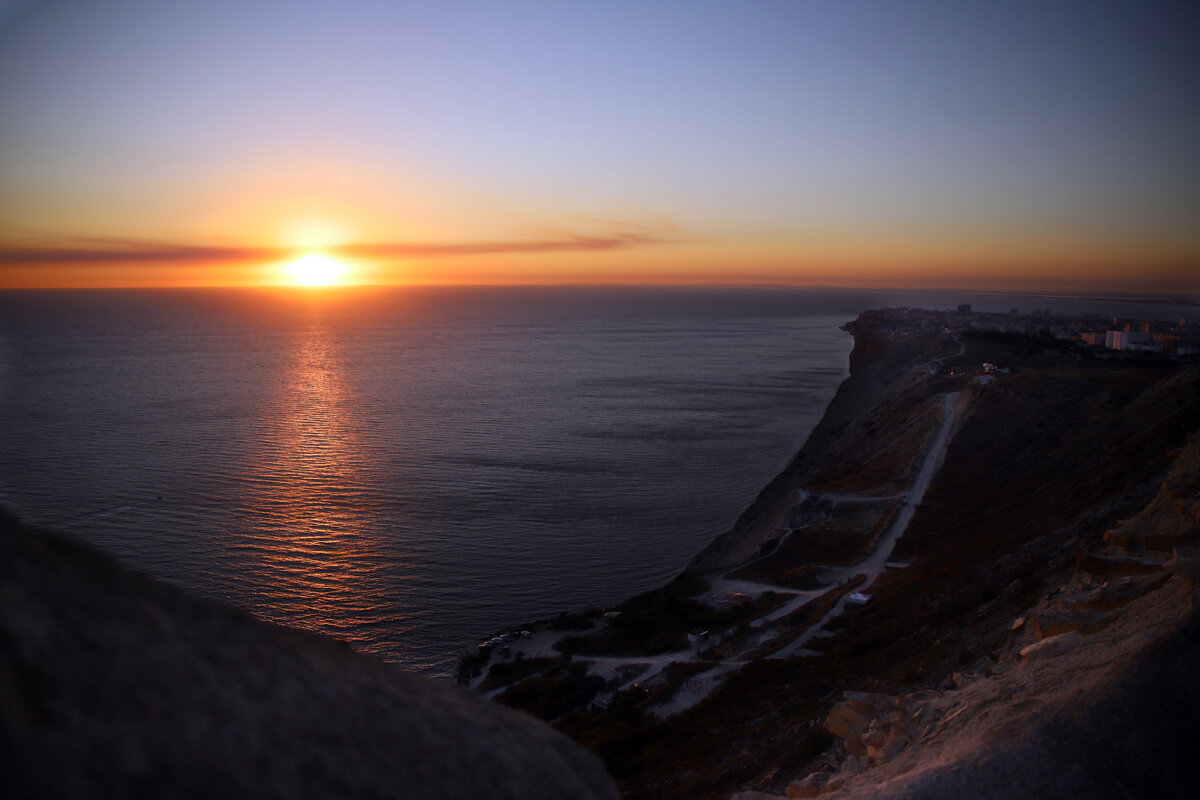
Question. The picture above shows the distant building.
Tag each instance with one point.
(1130, 340)
(1169, 341)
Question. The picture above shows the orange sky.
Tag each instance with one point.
(669, 259)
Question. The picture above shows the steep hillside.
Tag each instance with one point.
(992, 490)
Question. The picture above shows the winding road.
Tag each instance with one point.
(698, 687)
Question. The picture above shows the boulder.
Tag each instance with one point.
(1127, 731)
(848, 720)
(1052, 623)
(115, 685)
(1123, 537)
(1078, 601)
(1108, 566)
(1125, 590)
(814, 785)
(1167, 542)
(1047, 646)
(1185, 563)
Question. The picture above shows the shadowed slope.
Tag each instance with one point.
(114, 685)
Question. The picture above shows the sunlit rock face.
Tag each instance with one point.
(115, 685)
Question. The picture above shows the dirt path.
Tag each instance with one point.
(700, 686)
(874, 565)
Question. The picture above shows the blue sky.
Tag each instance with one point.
(799, 142)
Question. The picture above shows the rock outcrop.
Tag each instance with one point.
(885, 390)
(115, 685)
(1114, 715)
(1040, 462)
(1093, 693)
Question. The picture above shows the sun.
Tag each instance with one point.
(315, 269)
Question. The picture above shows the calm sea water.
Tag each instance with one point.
(410, 469)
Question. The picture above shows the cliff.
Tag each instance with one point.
(886, 386)
(1094, 693)
(887, 612)
(115, 685)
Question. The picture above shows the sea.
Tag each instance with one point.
(412, 470)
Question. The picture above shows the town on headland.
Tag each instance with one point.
(1126, 334)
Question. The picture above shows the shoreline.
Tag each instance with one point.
(869, 373)
(878, 368)
(922, 516)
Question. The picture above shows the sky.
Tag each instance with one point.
(1016, 145)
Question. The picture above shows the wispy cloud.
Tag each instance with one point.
(110, 251)
(565, 242)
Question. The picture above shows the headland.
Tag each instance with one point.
(987, 503)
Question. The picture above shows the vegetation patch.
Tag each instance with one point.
(843, 540)
(550, 698)
(575, 622)
(658, 622)
(506, 673)
(471, 665)
(675, 675)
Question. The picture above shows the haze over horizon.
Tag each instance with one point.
(1022, 146)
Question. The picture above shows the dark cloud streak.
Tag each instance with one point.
(615, 241)
(111, 251)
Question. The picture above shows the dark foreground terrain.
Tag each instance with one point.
(114, 685)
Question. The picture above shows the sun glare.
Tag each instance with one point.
(315, 269)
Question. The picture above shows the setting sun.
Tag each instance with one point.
(315, 269)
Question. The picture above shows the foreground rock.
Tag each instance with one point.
(114, 685)
(1092, 695)
(1114, 715)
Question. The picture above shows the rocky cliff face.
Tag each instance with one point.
(1043, 640)
(1093, 694)
(883, 399)
(1039, 463)
(115, 685)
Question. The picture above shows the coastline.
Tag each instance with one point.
(553, 466)
(922, 515)
(1026, 559)
(882, 371)
(877, 368)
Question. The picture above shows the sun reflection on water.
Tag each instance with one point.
(307, 492)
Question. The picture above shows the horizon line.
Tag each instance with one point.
(1112, 296)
